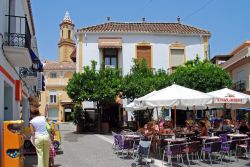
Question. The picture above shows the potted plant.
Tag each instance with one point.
(105, 122)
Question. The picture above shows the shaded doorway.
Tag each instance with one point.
(68, 115)
(8, 102)
(111, 114)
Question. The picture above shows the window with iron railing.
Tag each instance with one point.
(27, 72)
(18, 32)
(240, 86)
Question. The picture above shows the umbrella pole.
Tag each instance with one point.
(158, 117)
(175, 117)
(225, 110)
(157, 114)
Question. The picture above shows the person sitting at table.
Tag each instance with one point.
(161, 126)
(207, 123)
(195, 129)
(236, 125)
(167, 129)
(217, 124)
(187, 127)
(226, 126)
(152, 132)
(243, 127)
(203, 129)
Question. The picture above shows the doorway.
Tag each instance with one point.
(8, 102)
(68, 115)
(110, 114)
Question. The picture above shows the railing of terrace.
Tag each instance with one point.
(18, 32)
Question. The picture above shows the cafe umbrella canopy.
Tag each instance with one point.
(133, 107)
(175, 96)
(230, 99)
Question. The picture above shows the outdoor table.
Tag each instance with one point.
(209, 137)
(186, 134)
(163, 135)
(217, 131)
(175, 140)
(237, 135)
(130, 136)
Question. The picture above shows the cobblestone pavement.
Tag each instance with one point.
(92, 150)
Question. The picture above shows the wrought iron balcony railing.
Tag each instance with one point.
(18, 32)
(26, 72)
(240, 86)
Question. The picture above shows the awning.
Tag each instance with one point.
(110, 42)
(33, 56)
(36, 61)
(247, 109)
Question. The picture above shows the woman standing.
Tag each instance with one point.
(40, 138)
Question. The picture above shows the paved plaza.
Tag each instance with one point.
(93, 150)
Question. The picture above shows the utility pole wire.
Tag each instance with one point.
(198, 10)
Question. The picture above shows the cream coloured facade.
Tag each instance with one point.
(238, 65)
(57, 74)
(162, 45)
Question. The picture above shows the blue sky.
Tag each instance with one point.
(227, 20)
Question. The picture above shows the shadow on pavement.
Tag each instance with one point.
(31, 161)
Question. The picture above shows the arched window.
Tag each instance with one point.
(69, 32)
(62, 33)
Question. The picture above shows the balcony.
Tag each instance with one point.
(240, 86)
(17, 42)
(28, 75)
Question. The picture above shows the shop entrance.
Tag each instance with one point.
(111, 114)
(68, 115)
(8, 102)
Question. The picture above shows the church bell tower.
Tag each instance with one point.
(66, 43)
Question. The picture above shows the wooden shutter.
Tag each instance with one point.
(177, 57)
(144, 52)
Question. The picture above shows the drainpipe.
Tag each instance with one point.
(1, 41)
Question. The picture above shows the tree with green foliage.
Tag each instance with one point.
(142, 80)
(203, 76)
(100, 86)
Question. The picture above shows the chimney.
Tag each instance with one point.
(143, 19)
(108, 19)
(178, 19)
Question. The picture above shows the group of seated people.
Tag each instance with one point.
(232, 126)
(154, 129)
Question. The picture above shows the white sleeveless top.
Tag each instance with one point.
(39, 123)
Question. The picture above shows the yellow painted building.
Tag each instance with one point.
(57, 75)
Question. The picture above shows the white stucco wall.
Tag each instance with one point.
(160, 48)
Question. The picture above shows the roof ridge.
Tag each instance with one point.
(167, 27)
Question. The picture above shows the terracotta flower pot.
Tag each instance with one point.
(105, 127)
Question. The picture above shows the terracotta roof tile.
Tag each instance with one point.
(169, 28)
(59, 66)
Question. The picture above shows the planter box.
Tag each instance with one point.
(105, 127)
(78, 128)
